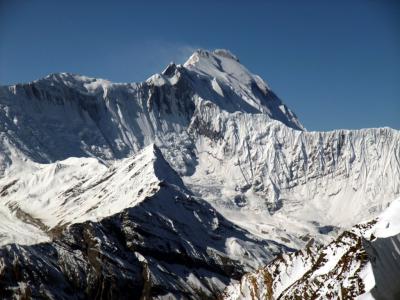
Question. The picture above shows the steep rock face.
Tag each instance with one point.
(248, 163)
(68, 115)
(233, 88)
(361, 262)
(384, 255)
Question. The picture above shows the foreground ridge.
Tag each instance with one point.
(363, 261)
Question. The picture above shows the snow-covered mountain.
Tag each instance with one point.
(76, 150)
(133, 230)
(363, 262)
(66, 115)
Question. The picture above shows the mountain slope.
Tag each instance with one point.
(66, 115)
(310, 182)
(147, 236)
(201, 168)
(361, 262)
(76, 190)
(222, 128)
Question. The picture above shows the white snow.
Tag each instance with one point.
(367, 276)
(76, 190)
(388, 222)
(324, 266)
(14, 230)
(73, 148)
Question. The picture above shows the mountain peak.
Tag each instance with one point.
(236, 88)
(221, 53)
(225, 53)
(214, 55)
(79, 82)
(216, 76)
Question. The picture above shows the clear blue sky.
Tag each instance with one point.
(335, 63)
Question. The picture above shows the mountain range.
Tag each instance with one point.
(178, 186)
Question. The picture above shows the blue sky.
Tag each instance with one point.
(335, 63)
